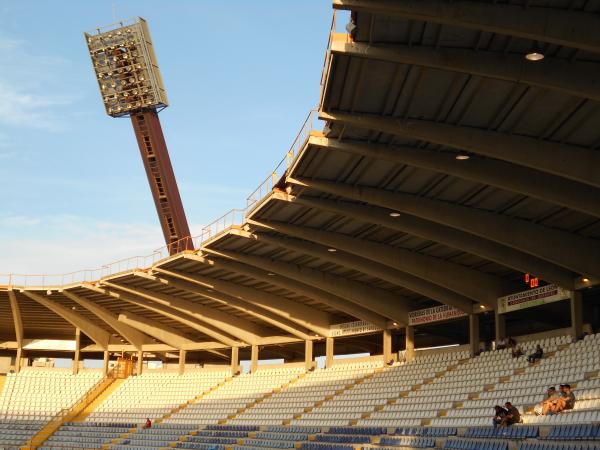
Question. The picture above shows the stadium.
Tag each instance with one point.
(428, 248)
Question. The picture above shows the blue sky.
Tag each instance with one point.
(241, 77)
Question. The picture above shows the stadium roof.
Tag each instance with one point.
(450, 164)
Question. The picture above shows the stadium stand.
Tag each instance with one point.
(438, 400)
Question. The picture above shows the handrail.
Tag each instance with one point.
(327, 60)
(234, 217)
(285, 164)
(56, 421)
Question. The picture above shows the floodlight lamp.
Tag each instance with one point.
(350, 27)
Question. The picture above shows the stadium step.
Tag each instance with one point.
(2, 382)
(99, 400)
(263, 398)
(328, 398)
(174, 411)
(67, 415)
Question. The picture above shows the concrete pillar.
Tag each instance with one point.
(308, 353)
(140, 362)
(409, 352)
(105, 365)
(77, 351)
(500, 322)
(254, 358)
(182, 355)
(473, 334)
(387, 346)
(576, 314)
(329, 352)
(18, 358)
(235, 360)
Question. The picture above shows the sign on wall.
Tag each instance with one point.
(352, 328)
(435, 314)
(533, 297)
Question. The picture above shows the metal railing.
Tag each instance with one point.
(234, 217)
(284, 165)
(327, 60)
(75, 409)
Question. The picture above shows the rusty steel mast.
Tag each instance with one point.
(131, 85)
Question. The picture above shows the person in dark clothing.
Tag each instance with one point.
(148, 423)
(512, 415)
(499, 413)
(539, 352)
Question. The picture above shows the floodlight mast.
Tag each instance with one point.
(131, 85)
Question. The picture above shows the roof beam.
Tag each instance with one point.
(136, 338)
(217, 320)
(553, 25)
(568, 161)
(228, 300)
(396, 266)
(382, 302)
(564, 249)
(311, 291)
(571, 77)
(99, 335)
(288, 310)
(442, 234)
(166, 311)
(159, 331)
(515, 178)
(16, 313)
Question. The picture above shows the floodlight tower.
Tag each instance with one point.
(131, 85)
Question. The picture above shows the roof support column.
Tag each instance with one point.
(329, 351)
(473, 334)
(182, 356)
(235, 360)
(576, 314)
(105, 363)
(18, 358)
(77, 351)
(387, 346)
(409, 348)
(308, 354)
(140, 362)
(253, 358)
(500, 324)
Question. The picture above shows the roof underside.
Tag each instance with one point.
(377, 216)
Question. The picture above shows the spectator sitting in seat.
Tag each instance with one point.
(499, 413)
(566, 400)
(549, 402)
(512, 416)
(539, 352)
(148, 424)
(516, 351)
(501, 344)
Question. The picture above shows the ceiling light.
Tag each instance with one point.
(585, 280)
(482, 306)
(271, 274)
(534, 56)
(535, 53)
(395, 324)
(395, 214)
(332, 250)
(462, 157)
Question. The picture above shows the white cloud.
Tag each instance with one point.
(70, 243)
(25, 81)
